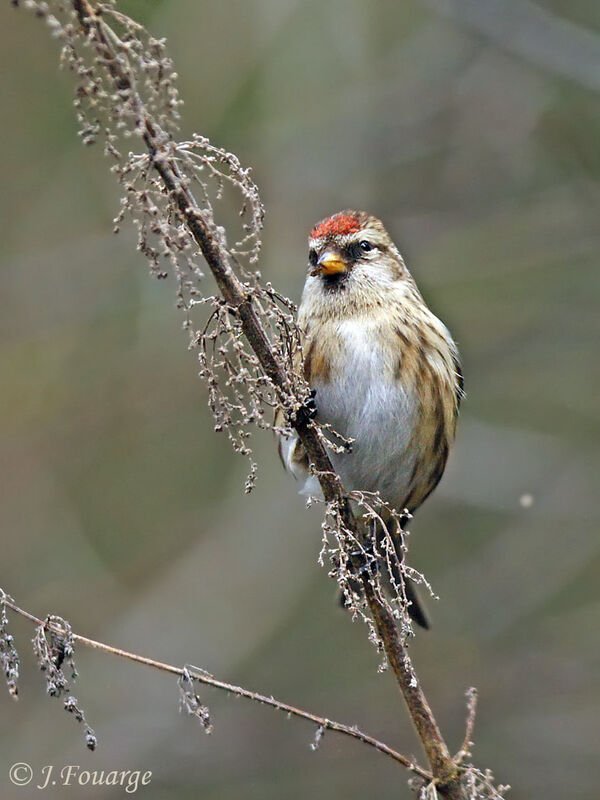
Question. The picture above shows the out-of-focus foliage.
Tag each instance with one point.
(472, 130)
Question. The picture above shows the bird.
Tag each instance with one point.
(383, 370)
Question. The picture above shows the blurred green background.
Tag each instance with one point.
(472, 128)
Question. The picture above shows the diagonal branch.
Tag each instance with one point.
(323, 724)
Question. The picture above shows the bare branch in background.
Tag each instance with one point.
(245, 336)
(533, 33)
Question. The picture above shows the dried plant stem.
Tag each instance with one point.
(444, 769)
(323, 724)
(465, 749)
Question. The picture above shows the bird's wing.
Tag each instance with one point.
(433, 364)
(291, 452)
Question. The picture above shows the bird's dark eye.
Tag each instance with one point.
(358, 249)
(312, 258)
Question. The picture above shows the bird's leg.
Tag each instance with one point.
(360, 561)
(366, 554)
(310, 405)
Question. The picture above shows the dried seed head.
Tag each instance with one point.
(53, 646)
(9, 658)
(190, 702)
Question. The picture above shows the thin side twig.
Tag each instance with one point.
(465, 749)
(323, 724)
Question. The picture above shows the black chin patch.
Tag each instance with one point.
(335, 281)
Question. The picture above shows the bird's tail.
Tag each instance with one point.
(416, 609)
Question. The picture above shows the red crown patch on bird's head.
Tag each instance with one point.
(340, 224)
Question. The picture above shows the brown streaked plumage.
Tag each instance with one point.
(384, 368)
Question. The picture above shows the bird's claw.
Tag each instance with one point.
(362, 561)
(310, 405)
(307, 411)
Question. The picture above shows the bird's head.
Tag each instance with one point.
(351, 250)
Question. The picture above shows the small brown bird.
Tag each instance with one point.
(384, 370)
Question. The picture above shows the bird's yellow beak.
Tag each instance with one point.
(330, 263)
